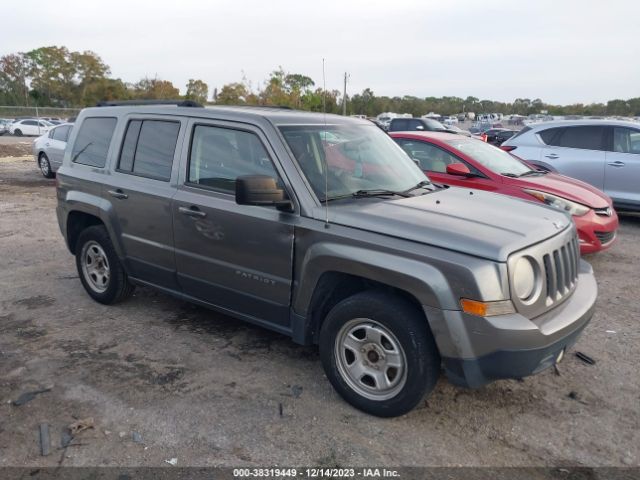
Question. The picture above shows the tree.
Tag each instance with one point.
(197, 90)
(233, 94)
(155, 89)
(13, 79)
(52, 74)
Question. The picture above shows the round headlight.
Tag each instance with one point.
(524, 278)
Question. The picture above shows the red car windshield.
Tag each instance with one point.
(490, 157)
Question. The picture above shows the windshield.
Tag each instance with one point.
(434, 124)
(358, 157)
(490, 157)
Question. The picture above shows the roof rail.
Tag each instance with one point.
(276, 107)
(122, 103)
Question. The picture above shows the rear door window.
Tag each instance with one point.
(586, 138)
(92, 142)
(149, 147)
(61, 133)
(547, 135)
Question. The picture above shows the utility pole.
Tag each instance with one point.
(344, 95)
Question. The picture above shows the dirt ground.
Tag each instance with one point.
(164, 379)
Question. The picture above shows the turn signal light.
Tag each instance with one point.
(486, 309)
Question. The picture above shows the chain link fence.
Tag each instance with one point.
(13, 112)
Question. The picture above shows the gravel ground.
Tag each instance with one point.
(164, 379)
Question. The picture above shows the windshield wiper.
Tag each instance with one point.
(532, 172)
(374, 192)
(422, 184)
(507, 174)
(378, 192)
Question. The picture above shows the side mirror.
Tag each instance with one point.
(261, 190)
(459, 169)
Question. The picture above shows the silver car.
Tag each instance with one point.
(604, 153)
(48, 149)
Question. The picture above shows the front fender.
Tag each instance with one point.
(425, 282)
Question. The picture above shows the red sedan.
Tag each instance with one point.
(466, 162)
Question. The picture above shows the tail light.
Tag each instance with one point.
(483, 137)
(508, 148)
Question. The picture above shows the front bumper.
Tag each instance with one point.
(478, 350)
(596, 232)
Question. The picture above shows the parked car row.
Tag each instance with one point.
(453, 160)
(603, 153)
(320, 227)
(29, 126)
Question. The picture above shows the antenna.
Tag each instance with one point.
(326, 162)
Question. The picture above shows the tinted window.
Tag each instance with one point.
(399, 124)
(220, 155)
(431, 158)
(587, 138)
(92, 143)
(61, 133)
(149, 147)
(30, 122)
(547, 135)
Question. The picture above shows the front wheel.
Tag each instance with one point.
(379, 354)
(99, 267)
(17, 132)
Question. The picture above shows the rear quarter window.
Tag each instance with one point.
(92, 142)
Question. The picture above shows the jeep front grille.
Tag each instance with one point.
(561, 270)
(557, 263)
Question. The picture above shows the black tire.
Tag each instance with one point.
(45, 166)
(118, 287)
(409, 326)
(17, 132)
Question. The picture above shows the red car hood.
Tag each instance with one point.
(565, 187)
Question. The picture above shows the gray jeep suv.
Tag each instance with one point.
(321, 228)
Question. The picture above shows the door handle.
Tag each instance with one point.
(552, 156)
(118, 194)
(192, 212)
(617, 163)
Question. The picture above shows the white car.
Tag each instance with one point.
(604, 153)
(48, 150)
(30, 126)
(450, 121)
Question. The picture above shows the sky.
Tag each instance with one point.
(562, 51)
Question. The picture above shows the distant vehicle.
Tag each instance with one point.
(450, 120)
(496, 136)
(422, 124)
(48, 149)
(30, 127)
(604, 153)
(453, 160)
(5, 123)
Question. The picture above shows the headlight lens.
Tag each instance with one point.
(524, 279)
(560, 203)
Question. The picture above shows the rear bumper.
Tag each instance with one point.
(477, 350)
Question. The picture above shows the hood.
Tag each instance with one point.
(566, 187)
(482, 224)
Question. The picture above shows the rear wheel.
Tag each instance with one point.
(99, 267)
(45, 166)
(379, 353)
(17, 132)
